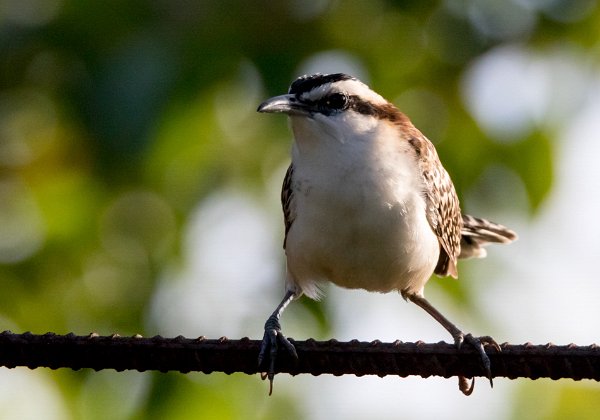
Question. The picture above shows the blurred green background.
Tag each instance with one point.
(139, 191)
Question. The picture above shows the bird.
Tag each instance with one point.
(367, 204)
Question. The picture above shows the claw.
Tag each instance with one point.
(265, 375)
(463, 385)
(269, 346)
(479, 343)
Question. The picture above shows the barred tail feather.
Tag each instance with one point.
(477, 233)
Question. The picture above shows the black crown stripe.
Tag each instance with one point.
(307, 83)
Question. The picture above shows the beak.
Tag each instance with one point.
(285, 104)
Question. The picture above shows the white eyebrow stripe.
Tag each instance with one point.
(349, 87)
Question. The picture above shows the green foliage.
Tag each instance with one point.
(549, 400)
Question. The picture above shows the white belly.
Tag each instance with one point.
(359, 226)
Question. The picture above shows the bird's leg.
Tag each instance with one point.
(273, 335)
(459, 338)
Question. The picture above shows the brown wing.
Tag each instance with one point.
(287, 197)
(443, 208)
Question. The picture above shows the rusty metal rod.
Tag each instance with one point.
(314, 357)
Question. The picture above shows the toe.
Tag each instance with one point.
(269, 349)
(288, 346)
(478, 344)
(486, 340)
(464, 386)
(459, 339)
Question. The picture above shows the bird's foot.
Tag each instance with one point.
(479, 344)
(269, 346)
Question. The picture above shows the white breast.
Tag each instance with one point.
(360, 215)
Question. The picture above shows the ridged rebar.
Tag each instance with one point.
(314, 357)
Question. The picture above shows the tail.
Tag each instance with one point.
(477, 233)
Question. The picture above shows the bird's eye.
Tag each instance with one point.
(336, 101)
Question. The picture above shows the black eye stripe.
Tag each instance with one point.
(334, 101)
(337, 102)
